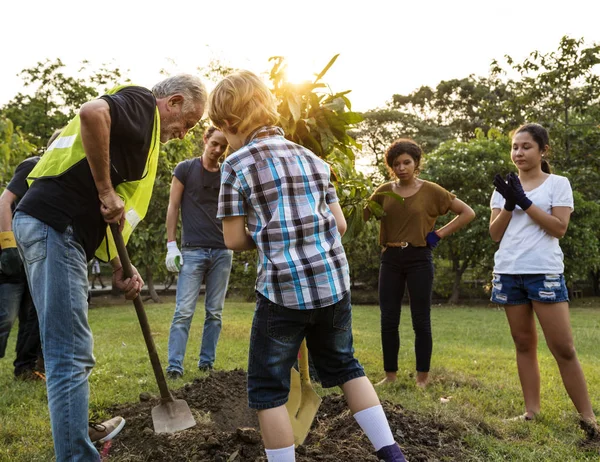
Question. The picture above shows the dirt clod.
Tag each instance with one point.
(227, 430)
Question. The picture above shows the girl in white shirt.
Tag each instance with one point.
(530, 213)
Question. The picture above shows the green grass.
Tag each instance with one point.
(473, 363)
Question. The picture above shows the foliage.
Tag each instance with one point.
(55, 97)
(363, 256)
(581, 243)
(466, 169)
(13, 149)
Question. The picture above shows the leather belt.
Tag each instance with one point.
(402, 245)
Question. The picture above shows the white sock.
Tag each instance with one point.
(375, 425)
(282, 455)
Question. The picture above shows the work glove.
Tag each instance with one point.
(10, 261)
(504, 189)
(432, 239)
(515, 185)
(174, 258)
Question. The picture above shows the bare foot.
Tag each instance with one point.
(390, 377)
(422, 379)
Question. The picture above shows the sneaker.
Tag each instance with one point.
(174, 375)
(105, 431)
(205, 368)
(31, 375)
(391, 453)
(521, 418)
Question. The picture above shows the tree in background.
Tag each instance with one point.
(14, 147)
(55, 97)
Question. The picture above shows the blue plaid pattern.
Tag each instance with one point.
(283, 190)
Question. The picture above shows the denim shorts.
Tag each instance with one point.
(520, 289)
(277, 333)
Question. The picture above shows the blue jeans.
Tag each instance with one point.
(199, 263)
(522, 289)
(277, 333)
(11, 295)
(56, 269)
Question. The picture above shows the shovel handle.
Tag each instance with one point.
(165, 394)
(303, 363)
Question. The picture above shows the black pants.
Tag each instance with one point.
(411, 267)
(29, 346)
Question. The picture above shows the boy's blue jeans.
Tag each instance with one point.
(56, 269)
(277, 333)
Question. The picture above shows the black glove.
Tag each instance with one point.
(10, 261)
(510, 200)
(515, 184)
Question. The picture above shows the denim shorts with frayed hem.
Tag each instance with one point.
(277, 333)
(520, 289)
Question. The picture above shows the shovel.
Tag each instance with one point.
(303, 402)
(171, 415)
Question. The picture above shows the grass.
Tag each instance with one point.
(473, 366)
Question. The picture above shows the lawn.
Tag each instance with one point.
(473, 368)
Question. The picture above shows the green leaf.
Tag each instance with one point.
(326, 68)
(393, 195)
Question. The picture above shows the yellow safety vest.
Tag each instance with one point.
(67, 150)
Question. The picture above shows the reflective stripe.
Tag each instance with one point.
(61, 143)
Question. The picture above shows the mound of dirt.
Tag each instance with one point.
(227, 430)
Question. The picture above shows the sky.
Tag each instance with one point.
(385, 47)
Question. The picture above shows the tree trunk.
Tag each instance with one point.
(150, 282)
(595, 280)
(459, 270)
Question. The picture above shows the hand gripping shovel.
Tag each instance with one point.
(171, 415)
(303, 402)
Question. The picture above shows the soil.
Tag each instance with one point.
(227, 430)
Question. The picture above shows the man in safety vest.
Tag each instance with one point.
(100, 170)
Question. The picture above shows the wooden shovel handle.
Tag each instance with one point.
(303, 363)
(165, 394)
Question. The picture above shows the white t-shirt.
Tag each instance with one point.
(525, 247)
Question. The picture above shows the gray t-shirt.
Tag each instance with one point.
(201, 227)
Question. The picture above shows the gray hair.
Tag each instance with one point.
(191, 87)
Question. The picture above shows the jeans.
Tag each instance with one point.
(11, 295)
(277, 333)
(522, 289)
(411, 267)
(214, 265)
(15, 300)
(56, 269)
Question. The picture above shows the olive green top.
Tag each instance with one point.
(411, 220)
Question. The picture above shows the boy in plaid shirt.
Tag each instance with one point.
(276, 196)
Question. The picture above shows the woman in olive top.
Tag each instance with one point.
(408, 236)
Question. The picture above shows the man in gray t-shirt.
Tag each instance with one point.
(204, 256)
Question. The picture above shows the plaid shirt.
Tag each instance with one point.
(283, 190)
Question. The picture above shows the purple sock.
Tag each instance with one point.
(391, 453)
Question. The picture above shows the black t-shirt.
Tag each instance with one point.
(200, 225)
(18, 186)
(72, 198)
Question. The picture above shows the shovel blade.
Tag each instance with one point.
(295, 396)
(172, 416)
(302, 421)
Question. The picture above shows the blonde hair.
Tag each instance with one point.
(244, 101)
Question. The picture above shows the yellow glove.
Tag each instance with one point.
(10, 261)
(7, 240)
